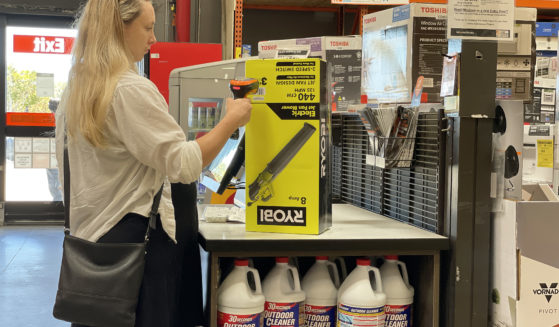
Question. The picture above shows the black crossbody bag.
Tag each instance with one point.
(99, 283)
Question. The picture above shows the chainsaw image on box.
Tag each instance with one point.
(261, 188)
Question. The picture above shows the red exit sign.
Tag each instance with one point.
(43, 44)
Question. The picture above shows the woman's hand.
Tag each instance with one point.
(237, 115)
(238, 112)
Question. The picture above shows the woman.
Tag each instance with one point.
(123, 145)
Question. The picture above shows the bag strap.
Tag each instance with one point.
(152, 214)
(66, 190)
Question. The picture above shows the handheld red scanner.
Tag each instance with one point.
(243, 87)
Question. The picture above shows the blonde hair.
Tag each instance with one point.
(100, 57)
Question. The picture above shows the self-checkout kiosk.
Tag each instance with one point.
(197, 101)
(197, 94)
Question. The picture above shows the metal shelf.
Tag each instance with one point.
(412, 195)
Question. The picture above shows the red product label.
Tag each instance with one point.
(43, 44)
(235, 320)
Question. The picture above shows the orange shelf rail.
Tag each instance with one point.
(238, 29)
(363, 10)
(429, 1)
(540, 4)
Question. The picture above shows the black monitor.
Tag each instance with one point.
(223, 170)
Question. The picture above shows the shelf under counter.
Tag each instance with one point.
(353, 230)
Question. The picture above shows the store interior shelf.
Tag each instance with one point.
(353, 230)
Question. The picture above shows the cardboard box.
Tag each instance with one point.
(516, 59)
(545, 75)
(287, 154)
(525, 265)
(399, 45)
(343, 57)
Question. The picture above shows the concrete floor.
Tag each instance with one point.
(29, 267)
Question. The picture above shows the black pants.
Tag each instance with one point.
(171, 291)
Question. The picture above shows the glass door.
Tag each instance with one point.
(37, 62)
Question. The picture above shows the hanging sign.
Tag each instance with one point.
(481, 19)
(43, 44)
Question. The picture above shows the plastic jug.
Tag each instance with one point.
(237, 303)
(340, 264)
(321, 284)
(399, 292)
(361, 300)
(284, 298)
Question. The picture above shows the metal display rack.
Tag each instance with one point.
(413, 195)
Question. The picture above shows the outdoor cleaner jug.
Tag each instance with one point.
(360, 299)
(238, 305)
(321, 284)
(340, 264)
(399, 292)
(284, 298)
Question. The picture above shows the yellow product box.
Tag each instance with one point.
(287, 153)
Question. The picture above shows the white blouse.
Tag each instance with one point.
(145, 145)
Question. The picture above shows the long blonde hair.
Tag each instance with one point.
(100, 56)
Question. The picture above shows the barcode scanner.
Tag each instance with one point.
(240, 89)
(243, 87)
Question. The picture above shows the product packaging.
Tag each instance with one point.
(287, 154)
(343, 57)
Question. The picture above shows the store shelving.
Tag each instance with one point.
(355, 232)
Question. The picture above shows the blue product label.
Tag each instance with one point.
(546, 28)
(350, 316)
(398, 315)
(284, 314)
(320, 316)
(246, 50)
(400, 13)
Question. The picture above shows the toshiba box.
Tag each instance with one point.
(399, 45)
(287, 155)
(343, 59)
